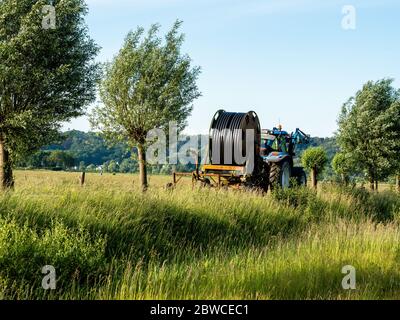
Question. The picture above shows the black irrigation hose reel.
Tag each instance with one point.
(227, 135)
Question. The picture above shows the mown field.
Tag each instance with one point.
(107, 240)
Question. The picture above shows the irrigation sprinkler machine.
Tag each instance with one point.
(241, 155)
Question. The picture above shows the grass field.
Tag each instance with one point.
(109, 241)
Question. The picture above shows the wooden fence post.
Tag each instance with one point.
(82, 178)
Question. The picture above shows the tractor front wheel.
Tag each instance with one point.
(280, 174)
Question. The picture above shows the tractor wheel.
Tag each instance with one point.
(299, 174)
(279, 175)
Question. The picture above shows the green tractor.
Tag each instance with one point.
(278, 150)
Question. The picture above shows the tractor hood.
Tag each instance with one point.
(275, 156)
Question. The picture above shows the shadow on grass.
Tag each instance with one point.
(165, 231)
(176, 233)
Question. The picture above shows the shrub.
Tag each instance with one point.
(314, 159)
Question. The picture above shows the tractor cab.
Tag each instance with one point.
(278, 150)
(274, 142)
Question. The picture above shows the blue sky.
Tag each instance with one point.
(288, 60)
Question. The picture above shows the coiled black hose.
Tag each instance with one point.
(228, 130)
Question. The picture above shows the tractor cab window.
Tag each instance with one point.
(267, 142)
(279, 144)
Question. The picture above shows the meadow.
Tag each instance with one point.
(107, 240)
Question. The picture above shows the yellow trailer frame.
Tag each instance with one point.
(219, 175)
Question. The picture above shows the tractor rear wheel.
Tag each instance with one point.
(280, 174)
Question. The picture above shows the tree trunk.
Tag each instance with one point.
(6, 174)
(376, 185)
(372, 184)
(345, 179)
(142, 168)
(314, 178)
(398, 183)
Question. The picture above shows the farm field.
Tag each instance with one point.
(107, 240)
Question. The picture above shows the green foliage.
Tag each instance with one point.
(297, 197)
(147, 85)
(82, 166)
(61, 159)
(329, 145)
(113, 167)
(369, 129)
(91, 168)
(340, 164)
(49, 159)
(91, 148)
(47, 75)
(314, 158)
(343, 166)
(128, 166)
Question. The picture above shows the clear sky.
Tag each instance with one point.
(288, 60)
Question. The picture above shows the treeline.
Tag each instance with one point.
(76, 149)
(90, 151)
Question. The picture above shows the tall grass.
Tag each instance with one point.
(107, 240)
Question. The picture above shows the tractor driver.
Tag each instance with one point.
(280, 144)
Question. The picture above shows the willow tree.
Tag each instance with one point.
(369, 130)
(314, 159)
(47, 74)
(146, 86)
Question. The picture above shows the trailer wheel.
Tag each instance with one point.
(206, 183)
(169, 186)
(280, 174)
